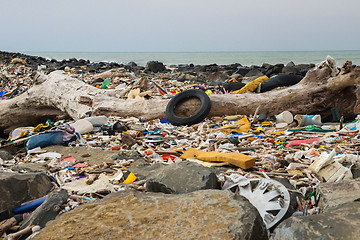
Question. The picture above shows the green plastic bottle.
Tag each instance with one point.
(105, 83)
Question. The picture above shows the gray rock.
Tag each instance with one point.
(339, 223)
(237, 76)
(46, 211)
(293, 70)
(243, 70)
(84, 154)
(155, 66)
(29, 167)
(355, 172)
(335, 194)
(17, 188)
(254, 73)
(182, 177)
(274, 70)
(215, 78)
(127, 155)
(206, 214)
(4, 155)
(142, 169)
(290, 64)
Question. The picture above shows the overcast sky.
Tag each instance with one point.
(168, 25)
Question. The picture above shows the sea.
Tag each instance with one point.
(245, 58)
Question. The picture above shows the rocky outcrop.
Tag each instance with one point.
(47, 210)
(155, 66)
(16, 188)
(182, 177)
(207, 214)
(338, 223)
(335, 194)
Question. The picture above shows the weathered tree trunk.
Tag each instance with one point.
(62, 96)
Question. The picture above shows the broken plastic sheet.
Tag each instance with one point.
(241, 125)
(238, 159)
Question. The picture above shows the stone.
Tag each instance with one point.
(46, 211)
(127, 139)
(216, 78)
(4, 155)
(155, 66)
(182, 177)
(335, 194)
(17, 188)
(206, 214)
(127, 155)
(274, 70)
(142, 169)
(290, 69)
(243, 70)
(290, 64)
(90, 155)
(29, 167)
(254, 73)
(339, 223)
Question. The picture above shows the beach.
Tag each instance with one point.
(148, 149)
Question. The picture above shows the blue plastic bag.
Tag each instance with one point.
(45, 139)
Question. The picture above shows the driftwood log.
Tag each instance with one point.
(60, 96)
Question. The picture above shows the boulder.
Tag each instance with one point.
(206, 214)
(142, 169)
(243, 70)
(182, 177)
(338, 223)
(4, 155)
(290, 69)
(290, 64)
(254, 73)
(274, 70)
(46, 211)
(29, 167)
(16, 188)
(155, 66)
(85, 154)
(217, 76)
(333, 194)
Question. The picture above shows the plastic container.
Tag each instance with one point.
(105, 83)
(285, 117)
(314, 117)
(82, 126)
(16, 132)
(97, 121)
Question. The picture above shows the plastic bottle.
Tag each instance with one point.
(105, 83)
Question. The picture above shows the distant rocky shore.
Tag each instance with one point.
(231, 70)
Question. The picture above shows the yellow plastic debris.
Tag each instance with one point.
(238, 159)
(241, 125)
(233, 80)
(251, 86)
(277, 133)
(130, 179)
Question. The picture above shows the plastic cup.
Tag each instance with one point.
(285, 117)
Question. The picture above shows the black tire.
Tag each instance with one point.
(183, 96)
(281, 80)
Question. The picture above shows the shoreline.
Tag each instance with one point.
(204, 58)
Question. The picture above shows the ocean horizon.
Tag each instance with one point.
(245, 58)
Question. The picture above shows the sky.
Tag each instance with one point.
(179, 26)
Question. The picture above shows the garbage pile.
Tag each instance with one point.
(276, 162)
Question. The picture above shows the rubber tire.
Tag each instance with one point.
(200, 115)
(281, 80)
